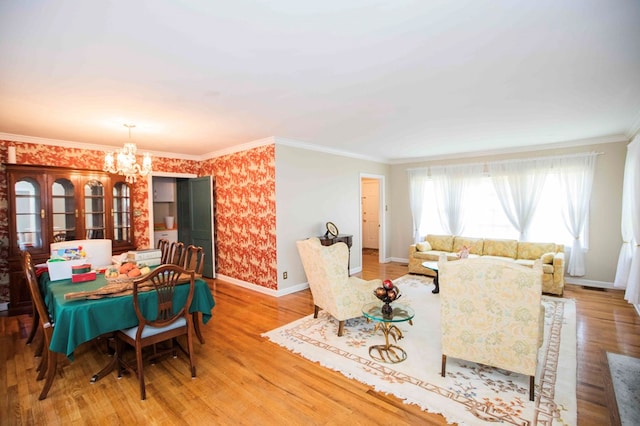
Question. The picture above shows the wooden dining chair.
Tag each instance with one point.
(176, 253)
(49, 361)
(35, 317)
(169, 321)
(35, 324)
(164, 246)
(194, 259)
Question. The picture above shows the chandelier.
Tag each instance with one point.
(124, 162)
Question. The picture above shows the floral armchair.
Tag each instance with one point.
(492, 314)
(331, 286)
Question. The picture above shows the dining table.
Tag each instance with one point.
(79, 320)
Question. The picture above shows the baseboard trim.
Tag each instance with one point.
(589, 283)
(259, 289)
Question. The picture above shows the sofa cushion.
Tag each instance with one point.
(441, 242)
(473, 244)
(423, 246)
(534, 250)
(501, 248)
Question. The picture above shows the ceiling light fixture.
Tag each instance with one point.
(124, 162)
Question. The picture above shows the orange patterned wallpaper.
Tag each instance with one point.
(245, 205)
(245, 185)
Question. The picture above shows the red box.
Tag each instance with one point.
(80, 278)
(81, 269)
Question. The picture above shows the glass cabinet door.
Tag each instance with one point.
(94, 210)
(29, 213)
(121, 213)
(64, 211)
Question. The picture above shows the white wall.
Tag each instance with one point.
(606, 201)
(313, 188)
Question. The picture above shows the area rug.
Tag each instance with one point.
(470, 394)
(625, 375)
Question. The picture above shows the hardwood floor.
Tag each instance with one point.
(242, 378)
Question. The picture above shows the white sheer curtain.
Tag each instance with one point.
(417, 182)
(451, 183)
(576, 180)
(628, 272)
(519, 184)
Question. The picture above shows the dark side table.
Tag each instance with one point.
(434, 267)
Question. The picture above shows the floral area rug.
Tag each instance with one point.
(470, 394)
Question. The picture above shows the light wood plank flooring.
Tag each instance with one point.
(244, 379)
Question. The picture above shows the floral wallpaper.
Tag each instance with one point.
(4, 227)
(245, 215)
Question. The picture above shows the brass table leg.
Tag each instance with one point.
(388, 353)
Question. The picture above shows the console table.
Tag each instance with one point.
(341, 238)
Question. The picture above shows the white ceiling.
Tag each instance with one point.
(391, 80)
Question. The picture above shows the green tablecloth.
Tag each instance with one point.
(78, 321)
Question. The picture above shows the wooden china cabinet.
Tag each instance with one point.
(51, 204)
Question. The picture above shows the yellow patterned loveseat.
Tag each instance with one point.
(522, 253)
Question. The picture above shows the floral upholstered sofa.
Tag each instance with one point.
(523, 253)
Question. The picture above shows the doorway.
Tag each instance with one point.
(191, 197)
(372, 214)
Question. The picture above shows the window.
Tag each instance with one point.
(484, 217)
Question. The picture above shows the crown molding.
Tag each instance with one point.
(237, 148)
(278, 140)
(89, 146)
(312, 147)
(634, 129)
(318, 148)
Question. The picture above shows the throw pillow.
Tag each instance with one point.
(423, 246)
(547, 258)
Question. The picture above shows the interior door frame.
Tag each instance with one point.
(382, 217)
(150, 195)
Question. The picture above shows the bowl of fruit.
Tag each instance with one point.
(387, 294)
(126, 272)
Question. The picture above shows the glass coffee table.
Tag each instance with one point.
(434, 267)
(388, 353)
